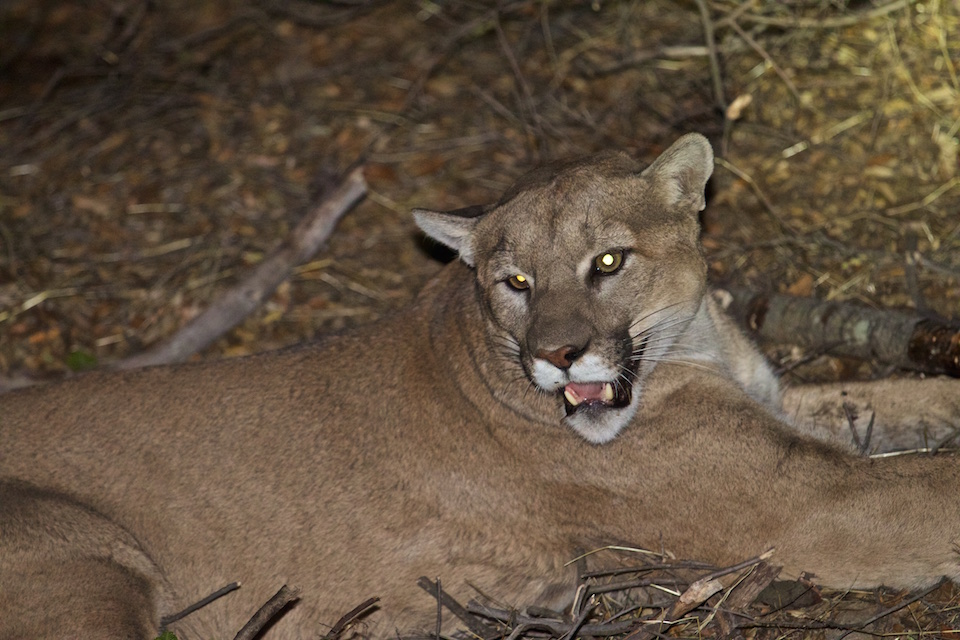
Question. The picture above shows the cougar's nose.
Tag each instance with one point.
(563, 357)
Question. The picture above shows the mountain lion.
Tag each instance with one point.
(567, 384)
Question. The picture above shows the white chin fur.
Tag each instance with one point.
(603, 424)
(597, 425)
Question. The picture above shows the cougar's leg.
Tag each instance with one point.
(68, 572)
(905, 413)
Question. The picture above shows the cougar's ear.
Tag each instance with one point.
(452, 228)
(681, 172)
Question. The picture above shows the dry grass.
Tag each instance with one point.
(651, 595)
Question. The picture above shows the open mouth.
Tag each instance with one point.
(578, 396)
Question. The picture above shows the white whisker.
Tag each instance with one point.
(694, 364)
(660, 338)
(663, 326)
(656, 311)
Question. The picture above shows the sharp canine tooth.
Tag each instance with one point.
(608, 392)
(572, 399)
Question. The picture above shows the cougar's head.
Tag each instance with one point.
(587, 273)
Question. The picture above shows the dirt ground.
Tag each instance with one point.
(152, 153)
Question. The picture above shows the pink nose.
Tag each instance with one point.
(561, 358)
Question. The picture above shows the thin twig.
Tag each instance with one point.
(869, 434)
(886, 612)
(439, 610)
(850, 413)
(636, 584)
(581, 619)
(473, 29)
(764, 200)
(649, 567)
(937, 267)
(719, 573)
(712, 54)
(237, 19)
(462, 613)
(753, 44)
(537, 134)
(926, 200)
(639, 57)
(819, 23)
(165, 621)
(132, 27)
(937, 446)
(350, 616)
(556, 627)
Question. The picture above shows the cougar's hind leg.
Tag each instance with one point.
(66, 571)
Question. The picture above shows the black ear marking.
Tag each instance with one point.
(473, 211)
(453, 229)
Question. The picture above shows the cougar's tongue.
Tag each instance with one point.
(579, 392)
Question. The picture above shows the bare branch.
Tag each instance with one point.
(266, 613)
(230, 309)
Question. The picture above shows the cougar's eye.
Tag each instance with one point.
(608, 262)
(518, 282)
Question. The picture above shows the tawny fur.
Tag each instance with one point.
(416, 446)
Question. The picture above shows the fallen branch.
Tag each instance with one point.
(890, 337)
(267, 612)
(847, 628)
(746, 591)
(897, 607)
(350, 617)
(230, 309)
(475, 626)
(557, 628)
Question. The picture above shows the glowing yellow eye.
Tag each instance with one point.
(518, 282)
(608, 262)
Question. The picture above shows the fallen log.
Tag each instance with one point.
(897, 338)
